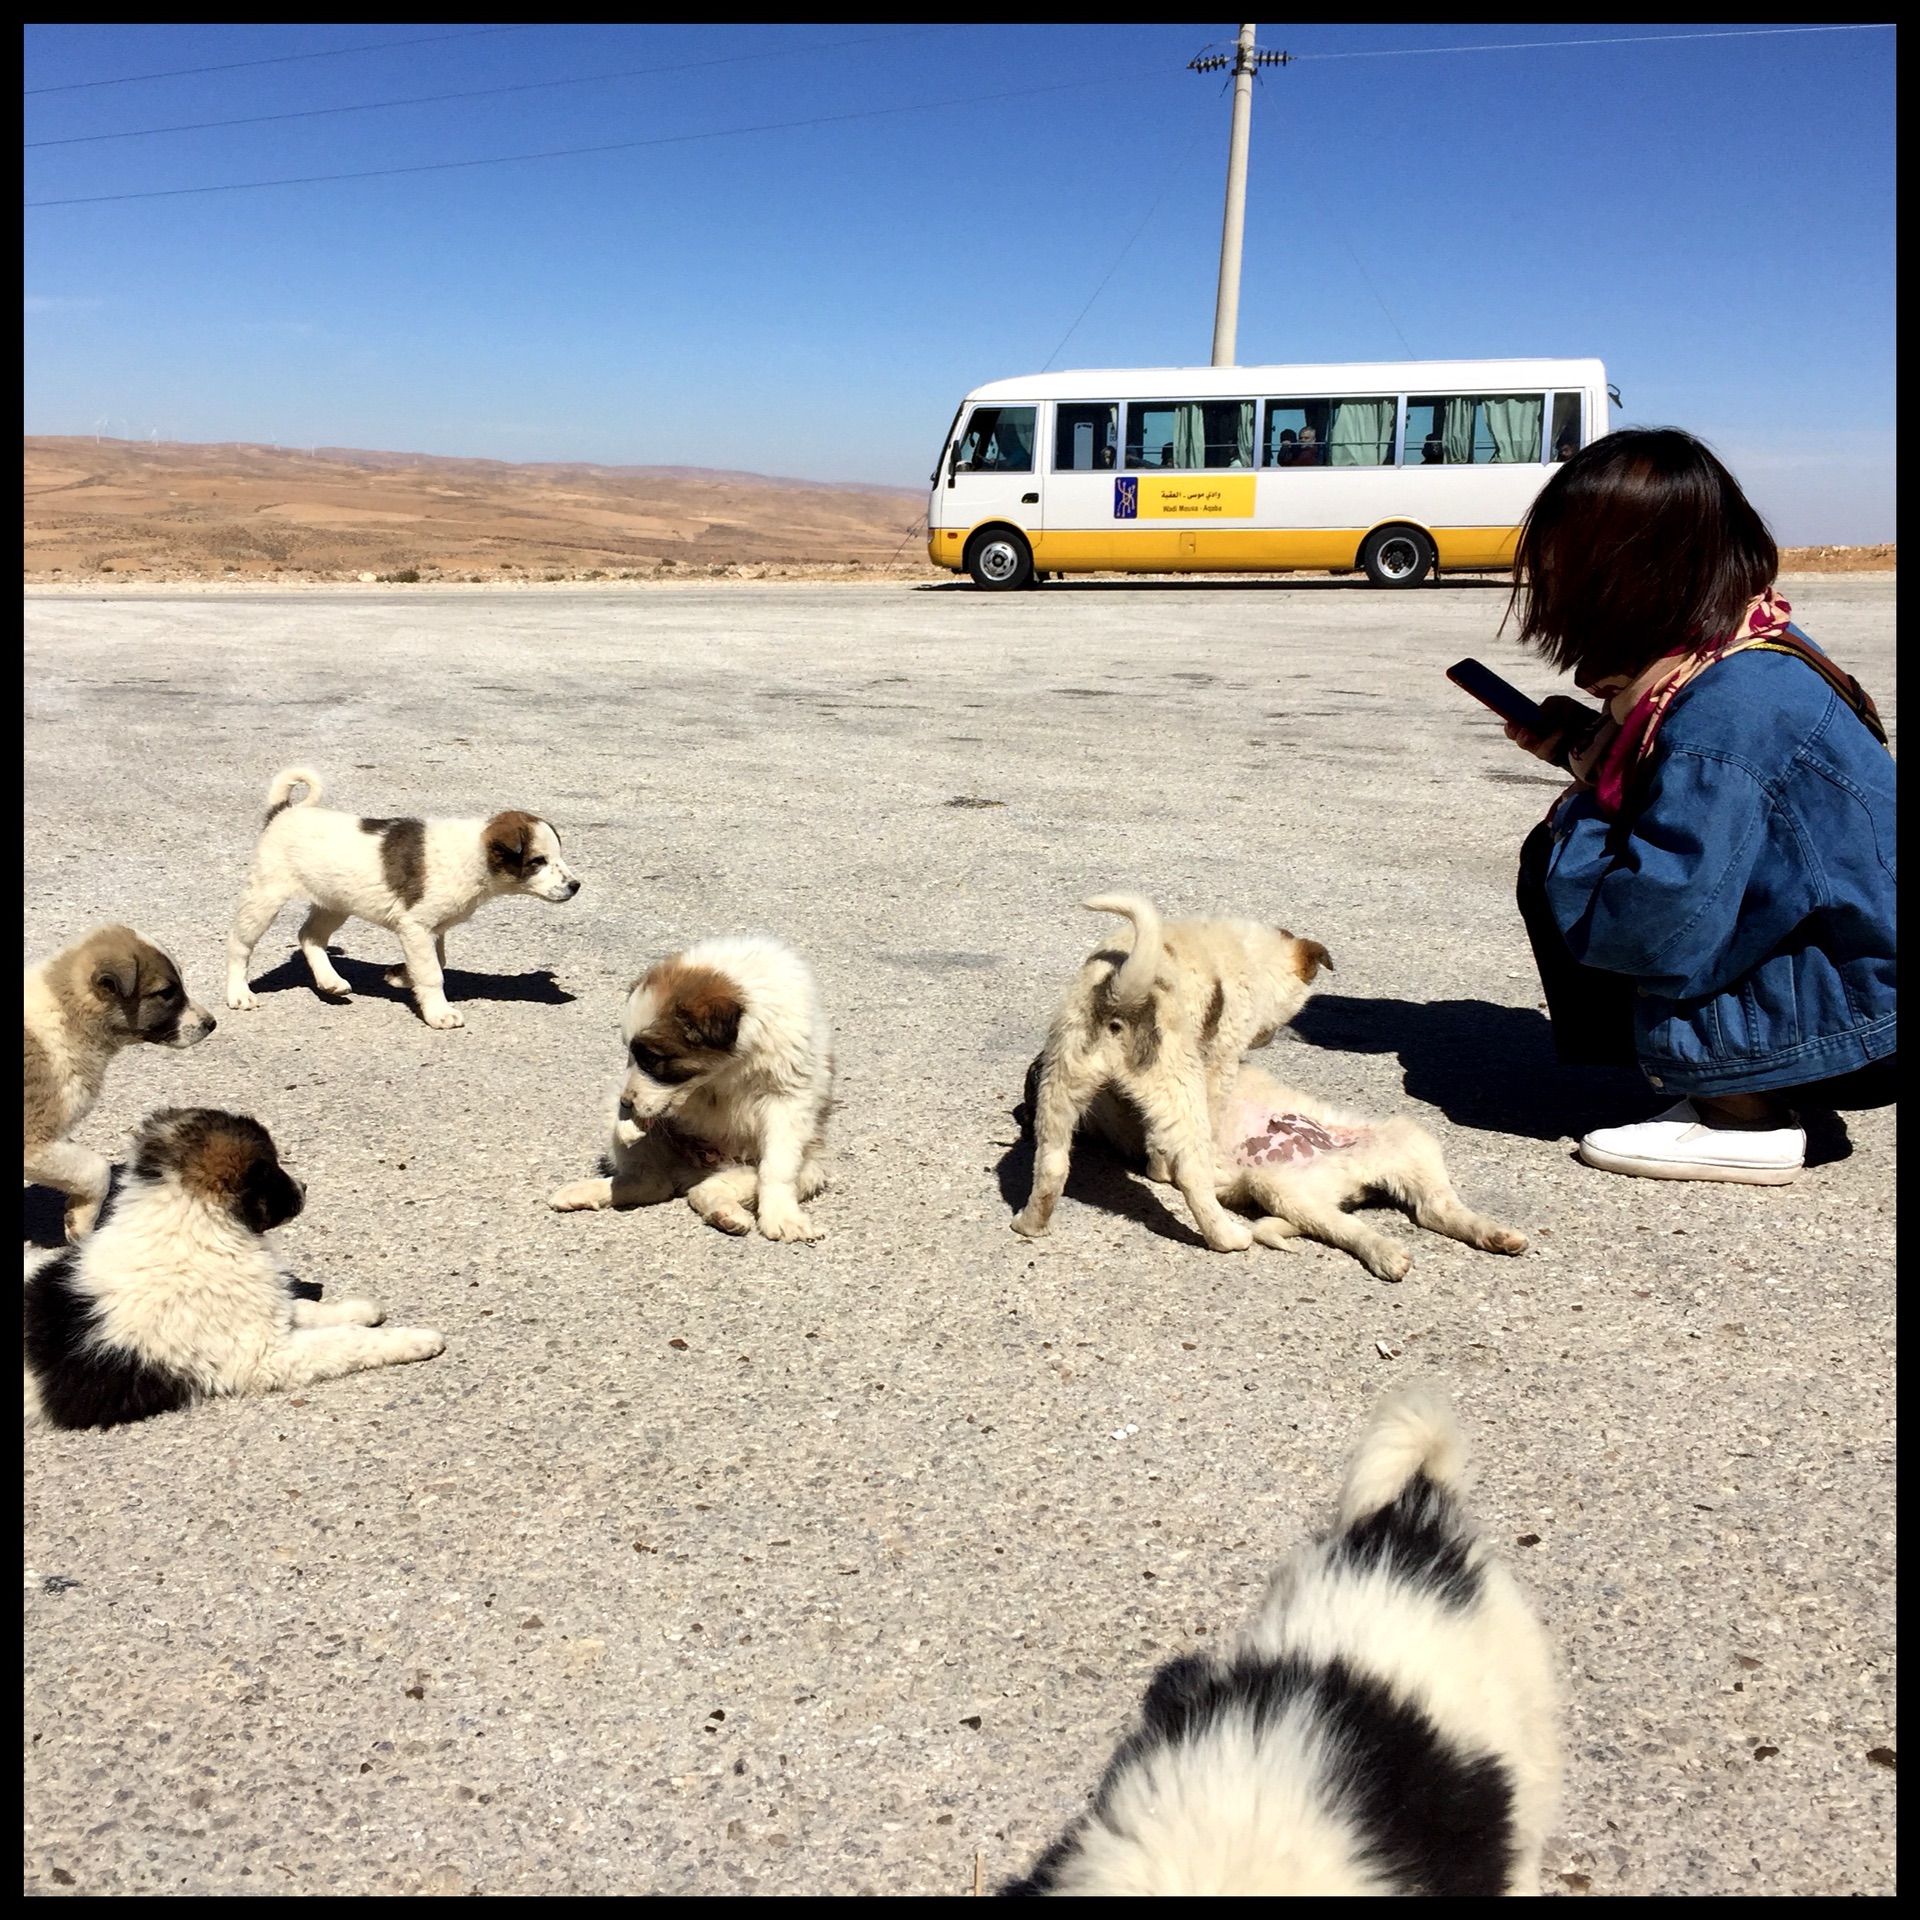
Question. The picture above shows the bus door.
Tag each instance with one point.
(1081, 465)
(991, 470)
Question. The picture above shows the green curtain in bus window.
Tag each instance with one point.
(1456, 432)
(1515, 425)
(1361, 434)
(1189, 435)
(1243, 455)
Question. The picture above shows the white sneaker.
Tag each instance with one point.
(1679, 1145)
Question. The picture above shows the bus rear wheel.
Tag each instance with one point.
(1397, 557)
(998, 558)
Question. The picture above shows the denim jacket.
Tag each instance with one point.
(1751, 896)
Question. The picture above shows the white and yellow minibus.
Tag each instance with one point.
(1395, 468)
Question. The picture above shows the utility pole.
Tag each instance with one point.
(1244, 59)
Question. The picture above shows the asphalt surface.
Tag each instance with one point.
(699, 1565)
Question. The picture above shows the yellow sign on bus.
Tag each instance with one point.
(1197, 497)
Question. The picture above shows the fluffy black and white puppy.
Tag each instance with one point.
(175, 1296)
(1388, 1725)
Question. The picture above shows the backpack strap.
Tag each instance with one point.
(1849, 689)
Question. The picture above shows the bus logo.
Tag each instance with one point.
(1126, 497)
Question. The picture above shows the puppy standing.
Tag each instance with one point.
(730, 1076)
(1302, 1162)
(177, 1298)
(416, 878)
(1388, 1725)
(1167, 1023)
(86, 1003)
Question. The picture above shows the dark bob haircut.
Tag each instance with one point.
(1639, 545)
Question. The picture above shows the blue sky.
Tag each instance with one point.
(1713, 217)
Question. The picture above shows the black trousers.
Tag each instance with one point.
(1592, 1012)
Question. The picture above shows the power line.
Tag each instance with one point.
(480, 93)
(274, 60)
(569, 153)
(1614, 40)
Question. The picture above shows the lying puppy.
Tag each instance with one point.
(1301, 1163)
(83, 1006)
(1388, 1725)
(727, 1091)
(416, 878)
(1167, 1024)
(176, 1298)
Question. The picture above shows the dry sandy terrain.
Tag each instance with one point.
(126, 509)
(705, 1565)
(170, 512)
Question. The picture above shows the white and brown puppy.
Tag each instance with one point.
(729, 1079)
(1301, 1162)
(176, 1297)
(111, 990)
(1167, 1023)
(416, 878)
(1389, 1724)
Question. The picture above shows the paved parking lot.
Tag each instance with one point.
(697, 1565)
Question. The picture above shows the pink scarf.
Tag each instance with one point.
(1631, 748)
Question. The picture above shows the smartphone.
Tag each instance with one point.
(1505, 699)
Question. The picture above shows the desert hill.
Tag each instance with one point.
(171, 511)
(143, 511)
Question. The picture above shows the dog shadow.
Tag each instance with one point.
(1098, 1178)
(368, 980)
(43, 1211)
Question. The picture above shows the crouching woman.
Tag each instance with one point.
(1712, 901)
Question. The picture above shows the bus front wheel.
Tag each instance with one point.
(1397, 557)
(999, 558)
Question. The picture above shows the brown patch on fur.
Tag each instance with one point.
(506, 837)
(1143, 1042)
(403, 856)
(226, 1159)
(1309, 957)
(700, 1010)
(275, 811)
(1215, 1008)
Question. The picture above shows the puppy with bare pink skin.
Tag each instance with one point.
(1301, 1163)
(416, 878)
(729, 1079)
(1167, 1023)
(111, 990)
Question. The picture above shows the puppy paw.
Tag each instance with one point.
(242, 998)
(1505, 1240)
(627, 1133)
(360, 1313)
(731, 1220)
(397, 977)
(416, 1343)
(1229, 1236)
(1393, 1264)
(1276, 1233)
(581, 1195)
(80, 1219)
(442, 1019)
(1028, 1225)
(784, 1225)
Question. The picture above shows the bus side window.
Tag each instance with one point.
(1566, 427)
(1085, 436)
(997, 440)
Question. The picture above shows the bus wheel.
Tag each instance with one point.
(1397, 557)
(999, 558)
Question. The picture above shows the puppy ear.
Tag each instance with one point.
(506, 839)
(269, 1196)
(116, 970)
(1312, 956)
(712, 1020)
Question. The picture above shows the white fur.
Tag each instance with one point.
(183, 1284)
(1167, 1022)
(1237, 1808)
(762, 1111)
(312, 853)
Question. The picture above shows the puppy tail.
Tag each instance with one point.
(1413, 1432)
(285, 782)
(1134, 981)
